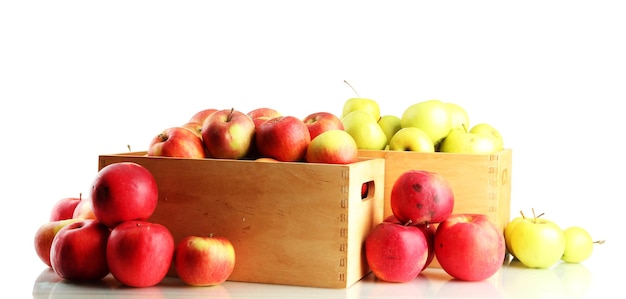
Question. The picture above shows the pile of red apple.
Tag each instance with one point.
(262, 134)
(108, 232)
(467, 246)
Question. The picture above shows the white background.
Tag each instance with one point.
(83, 78)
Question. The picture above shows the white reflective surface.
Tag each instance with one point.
(584, 280)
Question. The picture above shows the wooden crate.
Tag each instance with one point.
(290, 223)
(481, 182)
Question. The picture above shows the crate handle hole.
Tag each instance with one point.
(367, 190)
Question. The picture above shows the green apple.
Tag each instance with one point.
(364, 104)
(432, 116)
(463, 142)
(390, 125)
(411, 139)
(508, 229)
(487, 129)
(365, 130)
(537, 242)
(578, 244)
(458, 116)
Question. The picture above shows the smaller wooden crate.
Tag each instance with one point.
(290, 223)
(481, 182)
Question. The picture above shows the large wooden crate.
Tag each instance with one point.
(481, 182)
(290, 223)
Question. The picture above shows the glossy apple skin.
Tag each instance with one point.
(123, 191)
(284, 138)
(201, 115)
(78, 251)
(538, 242)
(396, 252)
(228, 134)
(429, 233)
(320, 122)
(263, 112)
(84, 209)
(421, 197)
(140, 253)
(64, 208)
(177, 142)
(44, 236)
(204, 261)
(194, 127)
(332, 147)
(469, 247)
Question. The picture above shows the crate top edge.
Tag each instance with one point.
(143, 155)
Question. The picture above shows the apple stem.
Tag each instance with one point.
(230, 115)
(522, 213)
(599, 242)
(408, 222)
(354, 90)
(128, 146)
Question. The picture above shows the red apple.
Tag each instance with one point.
(429, 233)
(84, 209)
(228, 134)
(201, 115)
(44, 236)
(332, 147)
(177, 142)
(64, 208)
(78, 251)
(284, 138)
(194, 127)
(123, 191)
(319, 122)
(260, 115)
(140, 253)
(264, 112)
(421, 197)
(204, 261)
(396, 252)
(469, 247)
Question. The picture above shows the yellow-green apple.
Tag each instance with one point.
(432, 116)
(177, 142)
(204, 260)
(140, 253)
(44, 236)
(332, 147)
(201, 115)
(469, 247)
(578, 244)
(507, 233)
(411, 139)
(123, 191)
(78, 251)
(84, 209)
(319, 122)
(537, 242)
(260, 115)
(458, 117)
(64, 208)
(429, 233)
(489, 130)
(420, 196)
(194, 127)
(464, 142)
(390, 125)
(396, 252)
(284, 138)
(365, 130)
(362, 104)
(228, 134)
